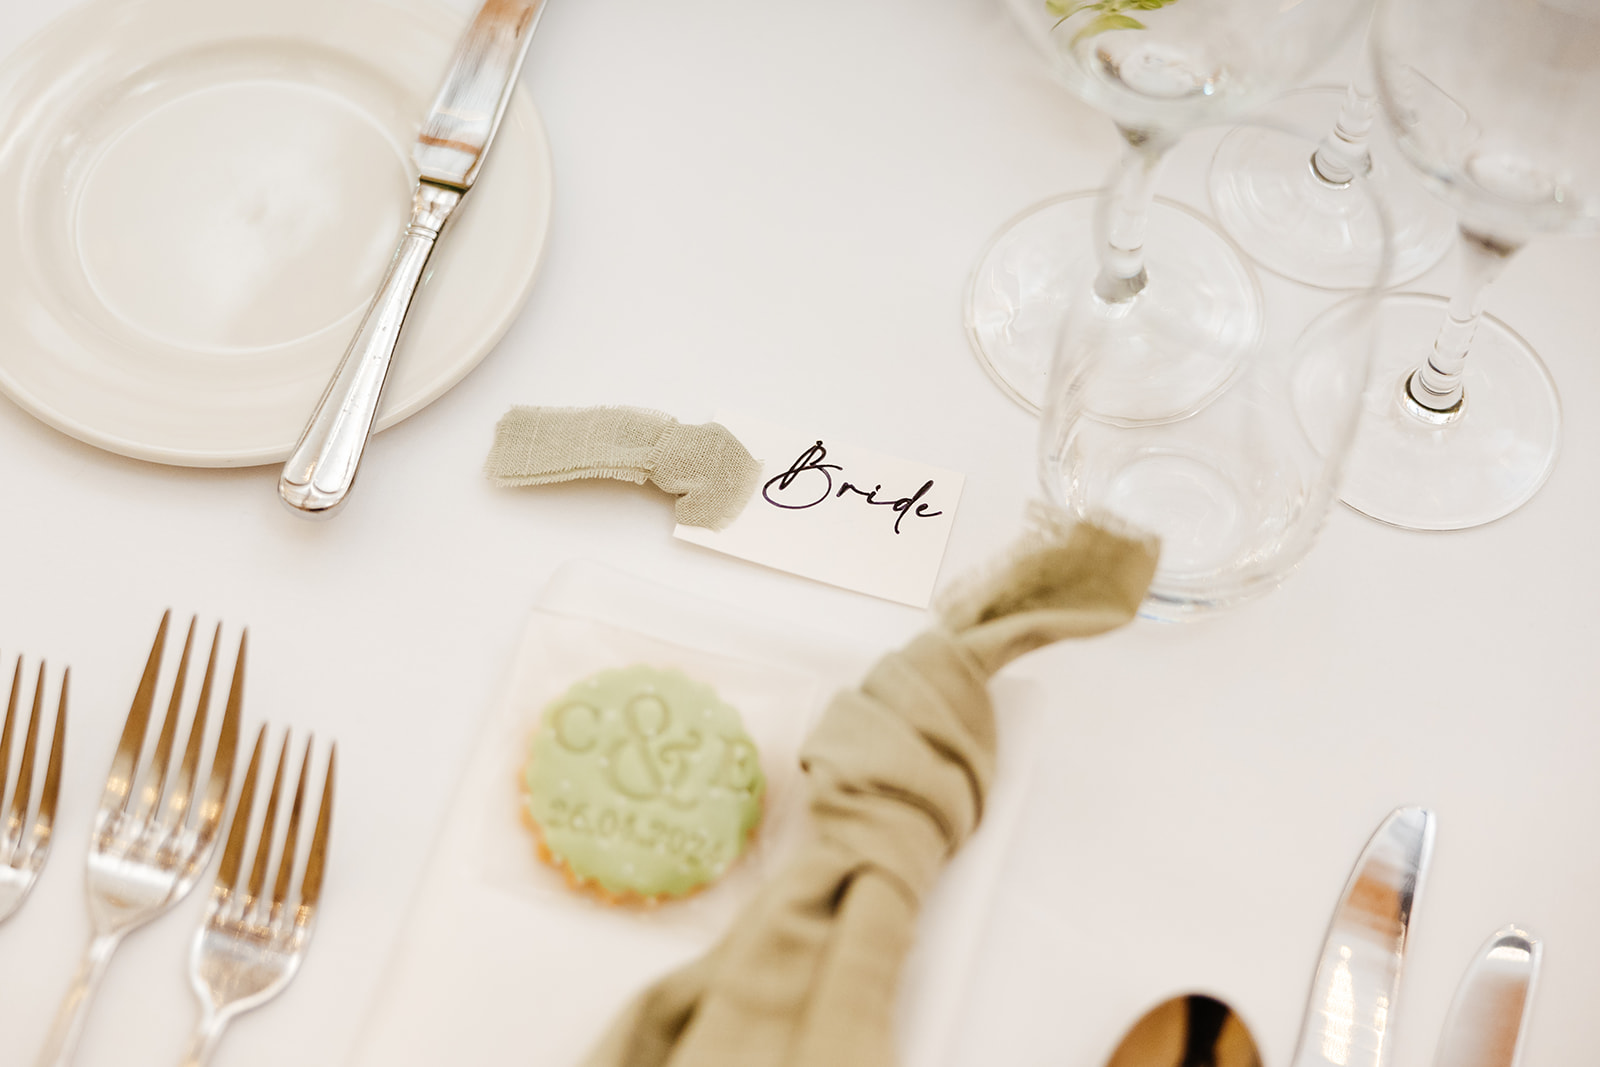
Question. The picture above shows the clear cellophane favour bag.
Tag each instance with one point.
(775, 702)
(500, 957)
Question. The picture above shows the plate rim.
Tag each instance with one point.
(22, 59)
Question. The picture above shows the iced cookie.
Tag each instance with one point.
(642, 784)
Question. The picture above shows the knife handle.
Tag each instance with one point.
(319, 472)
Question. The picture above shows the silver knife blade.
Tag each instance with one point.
(1485, 1025)
(483, 73)
(1358, 977)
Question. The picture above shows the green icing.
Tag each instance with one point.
(642, 780)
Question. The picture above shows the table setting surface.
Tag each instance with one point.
(774, 209)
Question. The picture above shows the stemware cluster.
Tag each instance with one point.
(1224, 410)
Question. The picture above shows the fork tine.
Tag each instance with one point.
(154, 779)
(258, 869)
(24, 788)
(183, 786)
(291, 836)
(311, 885)
(233, 851)
(45, 820)
(5, 731)
(119, 783)
(222, 760)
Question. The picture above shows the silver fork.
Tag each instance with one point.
(149, 844)
(23, 849)
(250, 945)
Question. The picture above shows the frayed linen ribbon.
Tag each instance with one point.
(704, 466)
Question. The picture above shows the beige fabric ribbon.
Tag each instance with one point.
(808, 974)
(704, 466)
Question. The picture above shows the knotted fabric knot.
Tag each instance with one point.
(899, 768)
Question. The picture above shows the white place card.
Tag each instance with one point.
(838, 513)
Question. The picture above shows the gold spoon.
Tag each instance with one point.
(1188, 1031)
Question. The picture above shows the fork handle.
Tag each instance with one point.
(197, 1053)
(68, 1027)
(319, 472)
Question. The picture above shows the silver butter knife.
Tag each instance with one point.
(448, 153)
(1358, 978)
(1485, 1027)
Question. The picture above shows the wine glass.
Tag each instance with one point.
(1157, 68)
(1494, 103)
(1237, 488)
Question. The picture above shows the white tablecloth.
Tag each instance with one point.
(772, 208)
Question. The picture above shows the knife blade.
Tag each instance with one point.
(472, 101)
(1353, 995)
(1485, 1027)
(449, 151)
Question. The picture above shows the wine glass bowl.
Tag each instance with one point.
(1494, 105)
(1174, 65)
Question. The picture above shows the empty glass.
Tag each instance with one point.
(1264, 191)
(1238, 486)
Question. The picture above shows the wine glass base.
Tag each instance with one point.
(1269, 199)
(1422, 475)
(1197, 319)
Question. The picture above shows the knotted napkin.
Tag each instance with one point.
(704, 466)
(898, 771)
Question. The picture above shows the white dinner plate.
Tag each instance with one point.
(199, 198)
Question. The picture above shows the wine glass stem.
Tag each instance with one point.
(1122, 274)
(1343, 154)
(1435, 387)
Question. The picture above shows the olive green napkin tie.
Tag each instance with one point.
(704, 466)
(807, 975)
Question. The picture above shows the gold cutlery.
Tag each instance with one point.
(1188, 1031)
